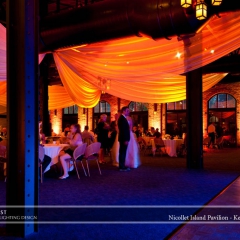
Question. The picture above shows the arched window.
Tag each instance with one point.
(222, 100)
(222, 111)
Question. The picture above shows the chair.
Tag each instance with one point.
(219, 143)
(159, 145)
(91, 153)
(41, 153)
(3, 159)
(144, 145)
(78, 154)
(206, 141)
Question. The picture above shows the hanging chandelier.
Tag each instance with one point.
(201, 7)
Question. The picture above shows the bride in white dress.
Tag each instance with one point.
(132, 155)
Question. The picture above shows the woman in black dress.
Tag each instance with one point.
(102, 136)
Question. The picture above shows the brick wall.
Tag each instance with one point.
(56, 120)
(154, 116)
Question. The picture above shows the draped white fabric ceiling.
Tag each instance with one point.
(136, 68)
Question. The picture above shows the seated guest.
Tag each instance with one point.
(87, 136)
(157, 134)
(151, 132)
(74, 139)
(66, 130)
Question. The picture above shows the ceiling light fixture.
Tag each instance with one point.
(200, 5)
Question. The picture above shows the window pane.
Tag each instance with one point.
(222, 101)
(213, 102)
(65, 111)
(71, 110)
(102, 107)
(131, 106)
(144, 107)
(184, 104)
(179, 105)
(108, 107)
(231, 102)
(75, 109)
(170, 106)
(96, 108)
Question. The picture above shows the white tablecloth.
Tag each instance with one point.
(52, 150)
(171, 146)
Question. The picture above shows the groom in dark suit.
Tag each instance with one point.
(123, 138)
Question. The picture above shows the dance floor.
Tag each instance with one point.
(159, 181)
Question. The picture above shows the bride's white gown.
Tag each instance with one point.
(132, 155)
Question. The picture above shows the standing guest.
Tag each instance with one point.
(211, 133)
(102, 136)
(123, 138)
(74, 139)
(112, 134)
(87, 136)
(42, 137)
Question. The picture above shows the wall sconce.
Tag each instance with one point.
(84, 111)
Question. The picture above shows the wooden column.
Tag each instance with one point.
(194, 119)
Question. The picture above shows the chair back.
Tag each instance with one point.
(159, 142)
(92, 149)
(88, 141)
(41, 153)
(79, 151)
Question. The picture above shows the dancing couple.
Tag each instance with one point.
(125, 149)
